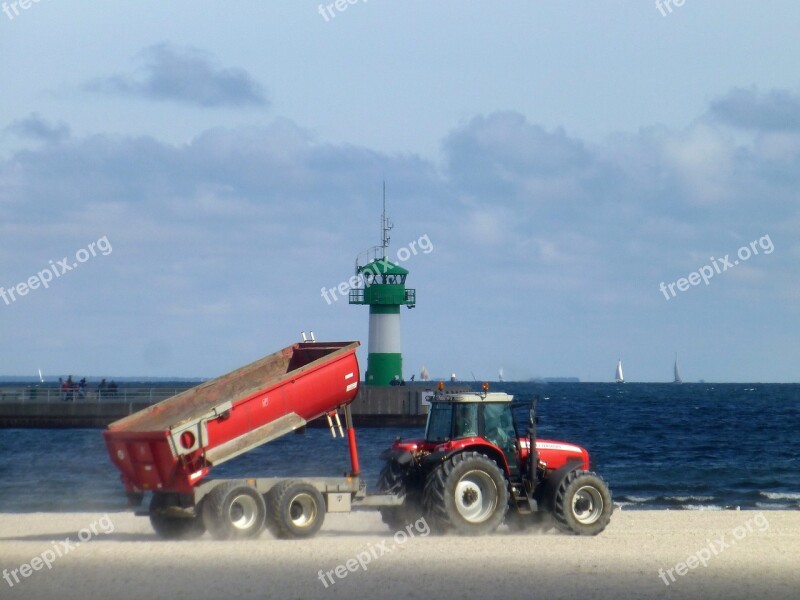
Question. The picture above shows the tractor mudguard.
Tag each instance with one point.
(545, 493)
(435, 458)
(491, 452)
(401, 457)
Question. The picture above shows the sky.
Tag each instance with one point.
(208, 169)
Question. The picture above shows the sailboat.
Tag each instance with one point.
(423, 375)
(619, 377)
(677, 374)
(500, 375)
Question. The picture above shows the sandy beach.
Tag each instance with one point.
(708, 554)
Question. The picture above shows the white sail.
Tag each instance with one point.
(500, 375)
(423, 375)
(677, 378)
(619, 377)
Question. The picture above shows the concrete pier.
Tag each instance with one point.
(45, 407)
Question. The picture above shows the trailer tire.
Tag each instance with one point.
(296, 509)
(467, 493)
(169, 526)
(582, 504)
(234, 510)
(395, 479)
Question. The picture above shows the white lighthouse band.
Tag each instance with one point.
(384, 331)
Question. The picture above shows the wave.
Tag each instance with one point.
(781, 495)
(690, 502)
(634, 499)
(776, 506)
(690, 498)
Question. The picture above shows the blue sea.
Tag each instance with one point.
(659, 446)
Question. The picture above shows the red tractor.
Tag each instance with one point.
(475, 469)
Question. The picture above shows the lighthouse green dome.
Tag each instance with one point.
(384, 285)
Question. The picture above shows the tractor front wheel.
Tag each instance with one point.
(582, 504)
(467, 493)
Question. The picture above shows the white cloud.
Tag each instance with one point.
(703, 160)
(230, 236)
(185, 75)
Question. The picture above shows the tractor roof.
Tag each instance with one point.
(473, 397)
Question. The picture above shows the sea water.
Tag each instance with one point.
(690, 446)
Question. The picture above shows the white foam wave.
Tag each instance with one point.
(690, 498)
(781, 495)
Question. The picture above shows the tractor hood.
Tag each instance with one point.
(556, 454)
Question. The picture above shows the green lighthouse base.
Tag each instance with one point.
(383, 368)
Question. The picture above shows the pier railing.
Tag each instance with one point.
(40, 395)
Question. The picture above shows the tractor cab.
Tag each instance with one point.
(467, 415)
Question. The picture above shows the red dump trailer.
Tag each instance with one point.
(169, 448)
(473, 470)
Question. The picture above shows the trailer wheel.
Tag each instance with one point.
(582, 504)
(234, 511)
(467, 493)
(172, 526)
(296, 510)
(394, 479)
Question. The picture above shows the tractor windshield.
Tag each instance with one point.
(440, 421)
(499, 425)
(466, 420)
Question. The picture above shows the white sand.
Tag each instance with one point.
(622, 562)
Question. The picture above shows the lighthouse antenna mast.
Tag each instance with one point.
(378, 252)
(386, 225)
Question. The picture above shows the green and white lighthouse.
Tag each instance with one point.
(382, 286)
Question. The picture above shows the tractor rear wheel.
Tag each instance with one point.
(582, 504)
(234, 511)
(296, 510)
(467, 493)
(394, 479)
(171, 524)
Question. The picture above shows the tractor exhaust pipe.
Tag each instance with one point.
(533, 453)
